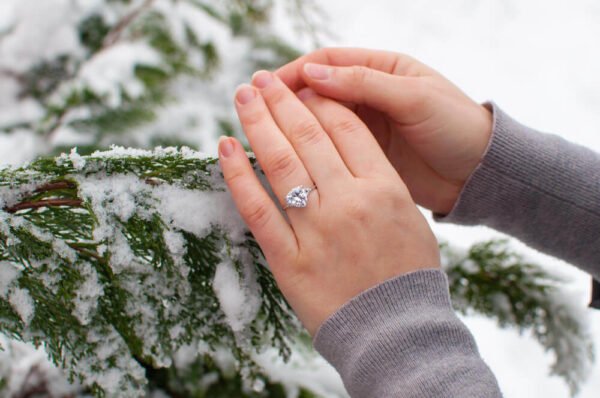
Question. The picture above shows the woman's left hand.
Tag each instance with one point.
(360, 226)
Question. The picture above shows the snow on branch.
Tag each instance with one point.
(134, 271)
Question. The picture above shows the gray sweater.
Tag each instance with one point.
(401, 338)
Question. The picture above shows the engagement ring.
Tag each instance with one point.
(298, 196)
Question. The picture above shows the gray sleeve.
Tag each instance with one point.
(401, 338)
(538, 188)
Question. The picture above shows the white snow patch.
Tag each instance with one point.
(76, 159)
(111, 71)
(28, 147)
(22, 303)
(22, 366)
(86, 300)
(8, 274)
(305, 369)
(237, 302)
(198, 212)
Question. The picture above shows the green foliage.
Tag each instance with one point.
(496, 282)
(49, 238)
(92, 31)
(63, 232)
(184, 49)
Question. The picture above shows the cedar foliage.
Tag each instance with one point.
(87, 244)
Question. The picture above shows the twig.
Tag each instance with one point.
(12, 74)
(52, 186)
(85, 252)
(115, 34)
(56, 125)
(44, 203)
(111, 38)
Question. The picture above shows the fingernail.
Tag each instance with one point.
(225, 146)
(317, 72)
(245, 94)
(262, 79)
(305, 93)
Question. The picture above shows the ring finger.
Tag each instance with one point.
(274, 152)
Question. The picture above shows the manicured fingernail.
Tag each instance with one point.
(317, 72)
(225, 146)
(305, 93)
(245, 94)
(262, 79)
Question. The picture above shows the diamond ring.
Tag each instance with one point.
(298, 196)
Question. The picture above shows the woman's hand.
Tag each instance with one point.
(432, 133)
(360, 226)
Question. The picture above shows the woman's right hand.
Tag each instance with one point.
(432, 133)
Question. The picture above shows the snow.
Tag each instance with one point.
(110, 196)
(190, 211)
(305, 369)
(48, 28)
(8, 274)
(175, 243)
(22, 365)
(88, 294)
(27, 143)
(237, 302)
(77, 161)
(110, 347)
(112, 70)
(22, 303)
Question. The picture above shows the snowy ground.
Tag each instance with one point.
(538, 60)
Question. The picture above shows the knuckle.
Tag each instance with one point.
(233, 176)
(281, 164)
(357, 210)
(323, 51)
(306, 132)
(347, 126)
(276, 96)
(391, 196)
(421, 92)
(253, 117)
(256, 213)
(360, 75)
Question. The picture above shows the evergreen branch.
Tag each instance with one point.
(311, 29)
(493, 281)
(115, 33)
(114, 252)
(138, 283)
(56, 124)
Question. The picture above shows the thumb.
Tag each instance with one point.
(402, 98)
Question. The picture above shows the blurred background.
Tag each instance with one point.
(91, 73)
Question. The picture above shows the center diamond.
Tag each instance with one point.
(298, 197)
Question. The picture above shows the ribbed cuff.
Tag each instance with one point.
(402, 338)
(519, 167)
(538, 188)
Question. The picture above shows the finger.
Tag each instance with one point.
(400, 97)
(356, 144)
(310, 141)
(272, 232)
(281, 164)
(384, 61)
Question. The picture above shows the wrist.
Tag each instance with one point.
(483, 128)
